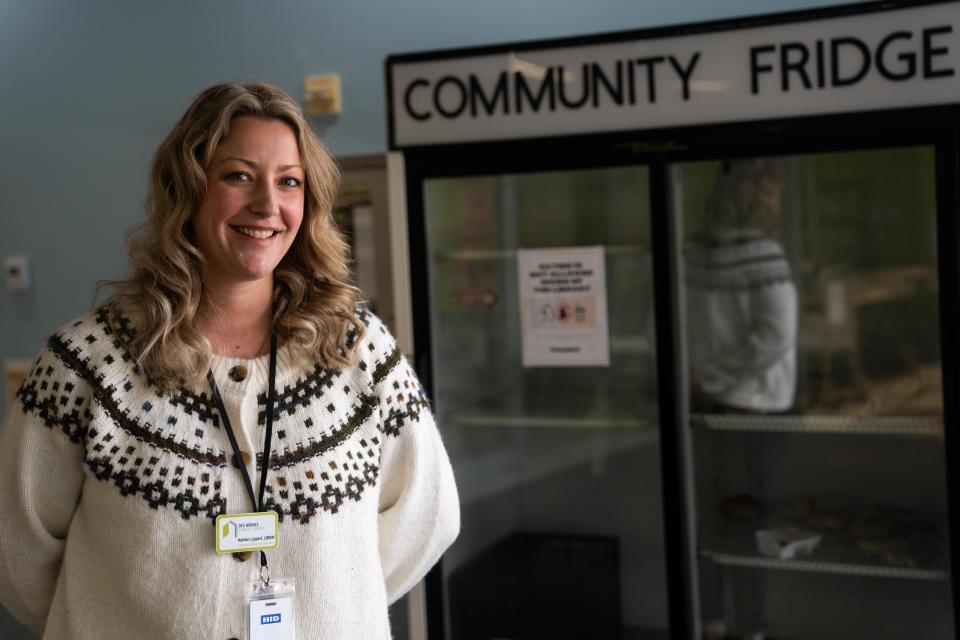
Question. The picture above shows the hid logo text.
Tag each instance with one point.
(270, 618)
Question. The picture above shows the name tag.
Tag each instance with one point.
(247, 532)
(271, 619)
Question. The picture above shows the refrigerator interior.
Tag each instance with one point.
(558, 468)
(811, 327)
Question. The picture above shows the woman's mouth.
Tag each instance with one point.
(252, 232)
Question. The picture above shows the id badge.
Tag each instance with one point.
(247, 532)
(271, 610)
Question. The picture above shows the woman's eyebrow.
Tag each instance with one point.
(249, 163)
(254, 165)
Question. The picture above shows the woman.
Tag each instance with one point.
(133, 430)
(741, 300)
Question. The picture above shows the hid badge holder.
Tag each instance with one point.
(270, 608)
(269, 604)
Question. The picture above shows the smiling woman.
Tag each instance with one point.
(228, 167)
(254, 202)
(234, 356)
(249, 217)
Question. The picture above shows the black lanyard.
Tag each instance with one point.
(271, 398)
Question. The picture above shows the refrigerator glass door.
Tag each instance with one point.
(815, 399)
(555, 451)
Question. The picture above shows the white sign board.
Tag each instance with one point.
(563, 307)
(871, 61)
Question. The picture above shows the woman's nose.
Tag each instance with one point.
(265, 202)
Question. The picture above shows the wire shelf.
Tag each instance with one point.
(920, 426)
(815, 566)
(507, 420)
(472, 255)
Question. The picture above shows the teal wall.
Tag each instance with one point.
(89, 88)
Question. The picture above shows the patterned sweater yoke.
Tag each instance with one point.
(106, 480)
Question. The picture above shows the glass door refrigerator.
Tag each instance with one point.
(695, 369)
(815, 400)
(557, 465)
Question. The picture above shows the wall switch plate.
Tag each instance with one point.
(16, 273)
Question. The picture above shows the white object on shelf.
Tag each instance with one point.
(787, 543)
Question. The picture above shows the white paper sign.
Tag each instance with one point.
(563, 307)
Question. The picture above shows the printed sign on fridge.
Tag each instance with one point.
(563, 307)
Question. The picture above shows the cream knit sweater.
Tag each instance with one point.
(109, 490)
(742, 320)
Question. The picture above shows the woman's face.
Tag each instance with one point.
(254, 202)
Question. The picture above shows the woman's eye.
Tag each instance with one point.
(291, 182)
(238, 176)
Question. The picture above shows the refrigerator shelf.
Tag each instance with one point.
(567, 422)
(475, 255)
(815, 566)
(918, 426)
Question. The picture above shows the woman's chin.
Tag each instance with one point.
(258, 270)
(241, 276)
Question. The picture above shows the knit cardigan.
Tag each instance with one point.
(742, 320)
(109, 489)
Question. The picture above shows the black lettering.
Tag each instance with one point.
(797, 65)
(585, 81)
(685, 72)
(408, 103)
(756, 68)
(929, 52)
(835, 45)
(650, 64)
(907, 57)
(547, 90)
(438, 89)
(631, 84)
(821, 66)
(564, 349)
(599, 77)
(490, 106)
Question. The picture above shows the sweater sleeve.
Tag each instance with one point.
(41, 474)
(419, 508)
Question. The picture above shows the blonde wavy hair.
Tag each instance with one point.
(747, 194)
(314, 304)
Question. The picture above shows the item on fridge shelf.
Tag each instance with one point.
(715, 630)
(813, 515)
(787, 543)
(804, 507)
(741, 508)
(879, 523)
(829, 520)
(896, 537)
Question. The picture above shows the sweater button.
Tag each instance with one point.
(242, 556)
(238, 373)
(243, 456)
